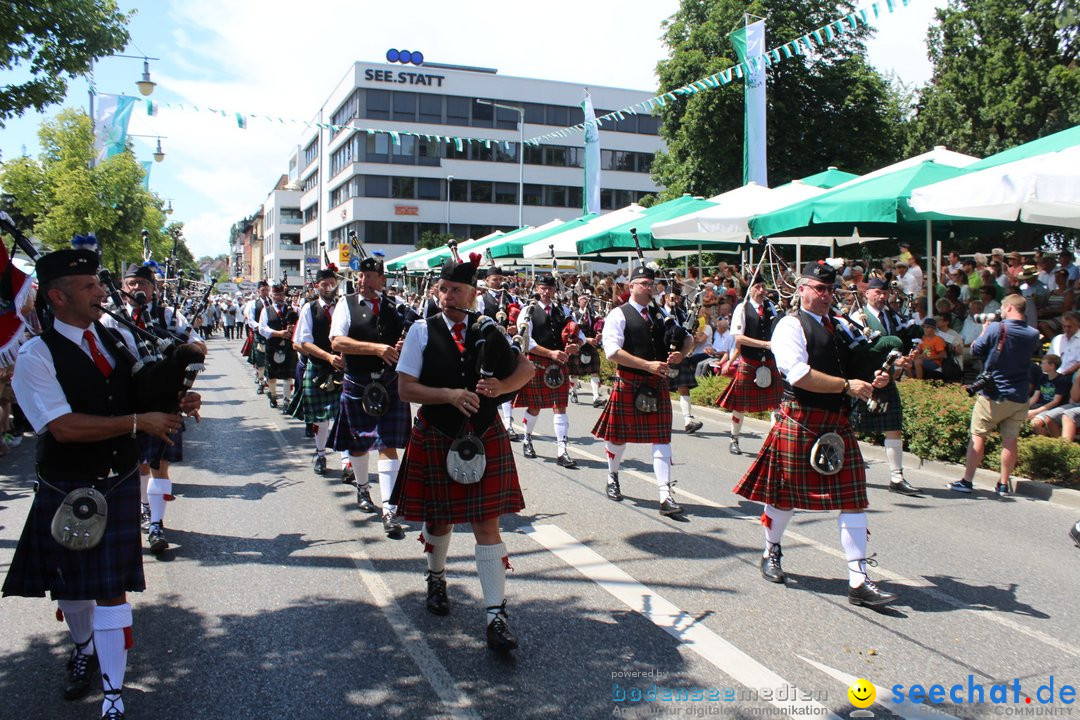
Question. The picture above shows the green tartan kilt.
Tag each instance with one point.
(319, 405)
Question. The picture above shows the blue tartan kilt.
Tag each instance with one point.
(864, 421)
(319, 405)
(150, 448)
(107, 571)
(357, 431)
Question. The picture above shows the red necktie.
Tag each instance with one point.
(761, 311)
(828, 323)
(329, 307)
(459, 337)
(99, 359)
(375, 306)
(548, 310)
(645, 316)
(138, 318)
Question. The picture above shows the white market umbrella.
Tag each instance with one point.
(1039, 190)
(727, 222)
(566, 242)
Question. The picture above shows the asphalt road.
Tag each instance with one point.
(279, 599)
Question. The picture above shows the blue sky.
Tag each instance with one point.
(281, 59)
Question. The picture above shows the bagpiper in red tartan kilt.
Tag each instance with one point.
(538, 395)
(621, 422)
(424, 490)
(781, 474)
(742, 393)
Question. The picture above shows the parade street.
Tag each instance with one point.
(279, 599)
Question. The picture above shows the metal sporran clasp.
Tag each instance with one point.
(79, 522)
(827, 454)
(466, 460)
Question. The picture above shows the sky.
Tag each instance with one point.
(281, 59)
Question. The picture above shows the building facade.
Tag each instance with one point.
(282, 252)
(391, 189)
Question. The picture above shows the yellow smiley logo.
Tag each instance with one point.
(862, 693)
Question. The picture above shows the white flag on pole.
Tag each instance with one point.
(591, 195)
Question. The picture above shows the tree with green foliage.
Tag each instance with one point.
(54, 41)
(59, 195)
(830, 108)
(1005, 73)
(430, 240)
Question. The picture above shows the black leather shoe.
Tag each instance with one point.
(319, 464)
(82, 670)
(259, 388)
(512, 434)
(499, 637)
(598, 402)
(566, 461)
(392, 527)
(670, 507)
(273, 400)
(347, 475)
(733, 447)
(437, 602)
(573, 396)
(527, 449)
(770, 565)
(1074, 533)
(693, 425)
(904, 488)
(614, 492)
(155, 536)
(869, 595)
(363, 500)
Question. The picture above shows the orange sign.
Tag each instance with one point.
(406, 210)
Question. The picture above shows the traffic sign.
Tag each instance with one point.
(354, 264)
(343, 253)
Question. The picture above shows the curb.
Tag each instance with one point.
(984, 479)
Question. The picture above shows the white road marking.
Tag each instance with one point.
(923, 587)
(727, 658)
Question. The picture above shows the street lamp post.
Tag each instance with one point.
(145, 84)
(521, 153)
(159, 154)
(449, 179)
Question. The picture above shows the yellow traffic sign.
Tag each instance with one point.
(343, 253)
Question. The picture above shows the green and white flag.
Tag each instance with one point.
(591, 195)
(749, 42)
(111, 116)
(146, 165)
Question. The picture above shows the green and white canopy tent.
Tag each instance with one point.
(619, 239)
(565, 243)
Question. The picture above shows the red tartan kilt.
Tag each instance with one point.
(743, 395)
(621, 422)
(424, 490)
(248, 342)
(781, 474)
(575, 368)
(538, 395)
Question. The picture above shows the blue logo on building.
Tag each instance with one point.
(405, 57)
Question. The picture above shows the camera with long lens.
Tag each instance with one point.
(982, 318)
(982, 381)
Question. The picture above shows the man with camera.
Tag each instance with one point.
(1001, 390)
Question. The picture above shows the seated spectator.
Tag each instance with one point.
(1034, 291)
(1067, 261)
(1051, 390)
(1016, 266)
(1046, 267)
(931, 352)
(1061, 421)
(1059, 300)
(1067, 344)
(952, 367)
(988, 295)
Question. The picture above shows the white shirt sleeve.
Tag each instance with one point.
(738, 320)
(789, 349)
(36, 388)
(341, 320)
(264, 327)
(411, 359)
(302, 333)
(614, 332)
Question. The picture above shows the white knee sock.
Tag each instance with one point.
(491, 567)
(156, 491)
(387, 475)
(594, 386)
(736, 423)
(144, 480)
(562, 426)
(684, 406)
(894, 451)
(529, 424)
(661, 463)
(775, 522)
(614, 455)
(112, 636)
(79, 615)
(322, 431)
(360, 468)
(507, 409)
(853, 538)
(345, 458)
(435, 549)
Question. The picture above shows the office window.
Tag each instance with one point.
(376, 186)
(534, 155)
(482, 115)
(480, 191)
(402, 233)
(311, 181)
(291, 266)
(506, 193)
(377, 148)
(451, 152)
(429, 152)
(429, 189)
(575, 197)
(404, 106)
(619, 160)
(558, 115)
(377, 105)
(403, 188)
(606, 199)
(644, 162)
(575, 157)
(627, 124)
(505, 152)
(311, 213)
(457, 110)
(535, 113)
(433, 228)
(555, 195)
(459, 191)
(479, 231)
(404, 152)
(506, 119)
(376, 231)
(431, 107)
(477, 151)
(648, 125)
(555, 156)
(534, 194)
(311, 152)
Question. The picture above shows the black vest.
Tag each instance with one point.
(641, 340)
(546, 330)
(759, 328)
(365, 327)
(444, 366)
(490, 306)
(276, 322)
(88, 391)
(320, 331)
(829, 354)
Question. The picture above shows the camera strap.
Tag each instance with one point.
(996, 353)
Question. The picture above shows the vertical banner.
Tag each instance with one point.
(111, 116)
(591, 195)
(749, 42)
(146, 165)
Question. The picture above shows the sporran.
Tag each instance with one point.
(79, 522)
(827, 454)
(466, 460)
(763, 376)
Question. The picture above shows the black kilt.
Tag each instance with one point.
(538, 395)
(686, 376)
(107, 571)
(282, 370)
(781, 474)
(319, 405)
(621, 422)
(424, 490)
(150, 448)
(575, 368)
(865, 421)
(743, 395)
(358, 432)
(258, 351)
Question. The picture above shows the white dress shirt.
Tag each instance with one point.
(302, 333)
